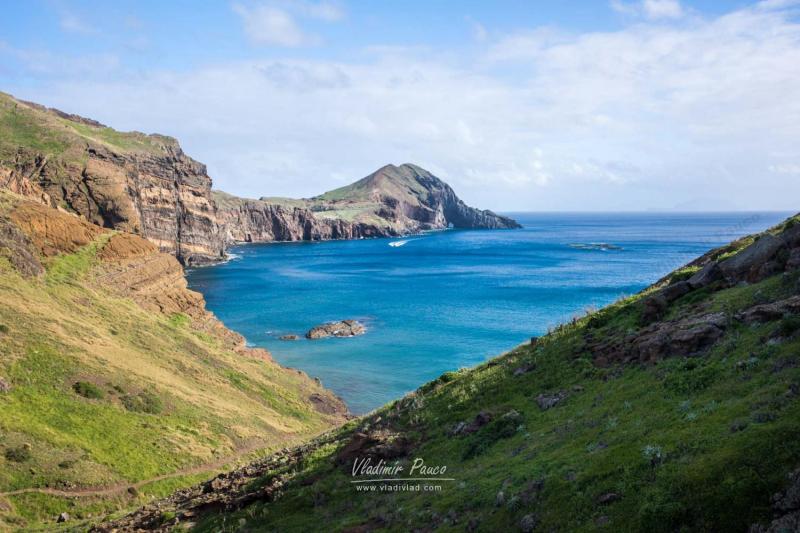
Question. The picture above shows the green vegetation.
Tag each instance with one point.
(19, 454)
(20, 127)
(27, 130)
(87, 390)
(144, 402)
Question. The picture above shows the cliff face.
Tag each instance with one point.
(246, 220)
(390, 202)
(133, 182)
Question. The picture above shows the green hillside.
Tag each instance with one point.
(673, 410)
(112, 375)
(28, 128)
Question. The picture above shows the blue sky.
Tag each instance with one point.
(595, 105)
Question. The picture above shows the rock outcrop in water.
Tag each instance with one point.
(344, 328)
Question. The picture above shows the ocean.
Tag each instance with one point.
(448, 299)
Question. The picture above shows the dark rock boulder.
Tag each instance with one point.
(343, 328)
(680, 338)
(548, 401)
(676, 290)
(745, 264)
(381, 444)
(771, 311)
(705, 276)
(786, 509)
(480, 420)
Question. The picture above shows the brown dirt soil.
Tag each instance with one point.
(124, 246)
(51, 231)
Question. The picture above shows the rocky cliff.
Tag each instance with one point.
(133, 182)
(392, 201)
(145, 184)
(245, 220)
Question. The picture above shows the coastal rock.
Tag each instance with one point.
(343, 328)
(687, 337)
(744, 265)
(290, 337)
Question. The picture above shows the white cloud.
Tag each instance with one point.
(650, 9)
(788, 169)
(662, 9)
(652, 115)
(322, 10)
(71, 23)
(270, 25)
(275, 23)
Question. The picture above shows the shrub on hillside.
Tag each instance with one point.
(144, 402)
(87, 390)
(500, 428)
(789, 326)
(19, 454)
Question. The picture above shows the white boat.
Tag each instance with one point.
(395, 244)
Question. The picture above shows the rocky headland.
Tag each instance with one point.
(146, 185)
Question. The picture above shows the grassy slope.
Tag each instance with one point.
(687, 444)
(39, 131)
(173, 397)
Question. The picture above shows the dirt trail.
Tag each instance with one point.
(122, 487)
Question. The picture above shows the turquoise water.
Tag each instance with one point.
(448, 299)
